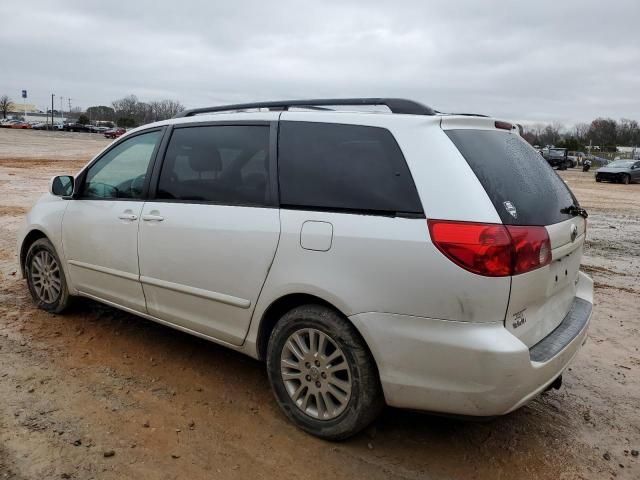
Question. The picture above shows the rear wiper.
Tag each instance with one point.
(575, 210)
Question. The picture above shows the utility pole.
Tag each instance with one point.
(52, 95)
(61, 108)
(24, 104)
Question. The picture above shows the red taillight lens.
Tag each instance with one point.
(532, 248)
(481, 248)
(489, 249)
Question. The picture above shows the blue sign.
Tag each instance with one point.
(24, 94)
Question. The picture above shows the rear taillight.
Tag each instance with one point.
(492, 250)
(531, 246)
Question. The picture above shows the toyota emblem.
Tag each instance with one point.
(574, 232)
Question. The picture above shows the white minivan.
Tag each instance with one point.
(389, 254)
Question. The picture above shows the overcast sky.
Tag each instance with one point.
(532, 61)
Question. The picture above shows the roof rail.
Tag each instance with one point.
(396, 105)
(468, 114)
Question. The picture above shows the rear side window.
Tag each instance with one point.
(344, 167)
(522, 186)
(218, 164)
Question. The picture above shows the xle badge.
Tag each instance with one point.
(511, 209)
(519, 319)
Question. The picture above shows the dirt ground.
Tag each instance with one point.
(98, 393)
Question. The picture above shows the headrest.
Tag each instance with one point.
(205, 158)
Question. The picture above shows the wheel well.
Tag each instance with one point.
(31, 237)
(276, 310)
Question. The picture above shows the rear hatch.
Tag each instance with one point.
(526, 191)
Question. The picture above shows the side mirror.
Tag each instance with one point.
(61, 186)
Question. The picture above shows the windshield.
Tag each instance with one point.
(621, 164)
(557, 151)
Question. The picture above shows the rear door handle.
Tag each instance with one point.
(152, 218)
(127, 216)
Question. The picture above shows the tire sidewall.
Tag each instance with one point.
(361, 404)
(62, 300)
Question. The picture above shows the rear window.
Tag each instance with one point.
(344, 167)
(522, 186)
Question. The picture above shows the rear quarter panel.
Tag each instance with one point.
(387, 264)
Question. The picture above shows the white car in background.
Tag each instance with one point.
(410, 258)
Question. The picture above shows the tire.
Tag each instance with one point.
(625, 179)
(598, 179)
(320, 412)
(43, 265)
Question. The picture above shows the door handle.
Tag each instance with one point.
(152, 218)
(127, 216)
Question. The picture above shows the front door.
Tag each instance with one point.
(209, 236)
(100, 228)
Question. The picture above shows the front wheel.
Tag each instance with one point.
(322, 373)
(45, 277)
(626, 179)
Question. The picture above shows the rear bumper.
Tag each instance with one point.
(477, 369)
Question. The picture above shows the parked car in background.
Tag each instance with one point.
(114, 132)
(20, 124)
(557, 157)
(619, 171)
(75, 127)
(9, 123)
(98, 129)
(366, 258)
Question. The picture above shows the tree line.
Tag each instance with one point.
(606, 133)
(125, 112)
(129, 111)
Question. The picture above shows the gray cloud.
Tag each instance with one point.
(530, 61)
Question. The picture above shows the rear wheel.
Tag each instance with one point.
(45, 277)
(598, 179)
(322, 373)
(625, 179)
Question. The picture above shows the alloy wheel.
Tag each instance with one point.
(316, 374)
(45, 277)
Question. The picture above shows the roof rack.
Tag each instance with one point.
(468, 114)
(396, 105)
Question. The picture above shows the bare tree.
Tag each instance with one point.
(164, 109)
(581, 132)
(628, 132)
(5, 105)
(131, 111)
(127, 107)
(603, 132)
(551, 134)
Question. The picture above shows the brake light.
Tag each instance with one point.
(492, 250)
(503, 125)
